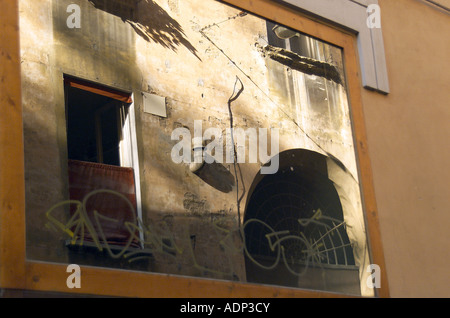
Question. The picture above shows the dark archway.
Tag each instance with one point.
(294, 229)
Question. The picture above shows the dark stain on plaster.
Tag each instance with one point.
(198, 207)
(194, 205)
(303, 64)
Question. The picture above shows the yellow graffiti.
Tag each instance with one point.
(79, 225)
(82, 224)
(316, 216)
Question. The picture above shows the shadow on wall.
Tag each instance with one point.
(149, 21)
(217, 176)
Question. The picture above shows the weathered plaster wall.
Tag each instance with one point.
(42, 118)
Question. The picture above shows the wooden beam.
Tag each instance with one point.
(111, 282)
(12, 184)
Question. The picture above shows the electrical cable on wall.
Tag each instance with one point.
(234, 96)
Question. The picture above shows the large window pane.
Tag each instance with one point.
(203, 141)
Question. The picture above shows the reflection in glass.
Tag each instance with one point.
(102, 186)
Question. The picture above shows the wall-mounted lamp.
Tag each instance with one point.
(197, 148)
(284, 33)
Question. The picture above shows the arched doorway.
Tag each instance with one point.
(294, 229)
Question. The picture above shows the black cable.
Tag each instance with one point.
(438, 5)
(235, 95)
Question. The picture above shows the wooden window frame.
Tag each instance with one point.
(16, 272)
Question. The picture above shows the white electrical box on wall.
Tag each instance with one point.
(154, 104)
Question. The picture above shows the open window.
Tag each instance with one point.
(101, 174)
(95, 123)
